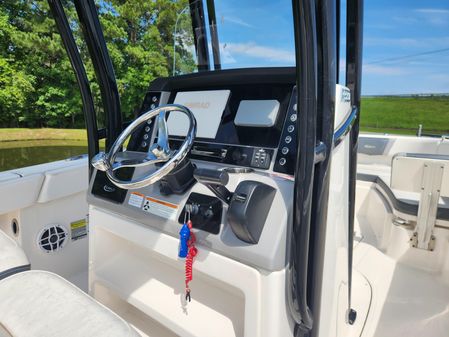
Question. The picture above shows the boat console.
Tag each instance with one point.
(237, 177)
(235, 184)
(218, 148)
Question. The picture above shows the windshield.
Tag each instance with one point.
(249, 34)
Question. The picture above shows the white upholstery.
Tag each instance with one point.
(407, 173)
(11, 255)
(43, 304)
(407, 178)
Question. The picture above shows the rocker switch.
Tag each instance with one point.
(260, 159)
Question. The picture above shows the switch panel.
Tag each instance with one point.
(206, 212)
(151, 101)
(287, 150)
(261, 159)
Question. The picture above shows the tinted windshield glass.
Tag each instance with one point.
(250, 34)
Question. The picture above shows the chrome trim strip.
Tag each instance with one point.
(345, 127)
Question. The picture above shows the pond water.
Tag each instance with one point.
(21, 154)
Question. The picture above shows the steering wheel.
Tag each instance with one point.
(159, 152)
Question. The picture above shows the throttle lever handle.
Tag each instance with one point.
(214, 180)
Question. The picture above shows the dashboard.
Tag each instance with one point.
(240, 166)
(246, 117)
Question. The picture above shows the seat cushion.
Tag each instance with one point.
(43, 304)
(12, 257)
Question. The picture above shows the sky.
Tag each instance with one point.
(406, 42)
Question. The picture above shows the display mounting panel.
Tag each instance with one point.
(230, 133)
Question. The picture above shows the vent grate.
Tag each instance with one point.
(52, 238)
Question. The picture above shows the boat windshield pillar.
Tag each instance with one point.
(104, 70)
(70, 46)
(200, 34)
(354, 43)
(214, 34)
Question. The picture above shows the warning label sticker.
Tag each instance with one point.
(162, 208)
(78, 229)
(136, 199)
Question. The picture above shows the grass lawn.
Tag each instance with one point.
(22, 134)
(383, 114)
(402, 115)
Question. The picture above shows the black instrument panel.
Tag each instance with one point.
(236, 145)
(231, 134)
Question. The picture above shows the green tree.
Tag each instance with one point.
(15, 86)
(37, 85)
(39, 59)
(139, 36)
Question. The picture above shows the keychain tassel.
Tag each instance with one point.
(184, 237)
(192, 251)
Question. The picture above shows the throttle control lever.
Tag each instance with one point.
(216, 181)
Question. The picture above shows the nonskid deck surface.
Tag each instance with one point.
(406, 301)
(410, 286)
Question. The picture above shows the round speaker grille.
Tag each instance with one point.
(52, 238)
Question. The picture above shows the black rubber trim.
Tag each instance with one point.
(15, 270)
(220, 78)
(300, 287)
(399, 205)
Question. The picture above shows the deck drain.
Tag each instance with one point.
(15, 227)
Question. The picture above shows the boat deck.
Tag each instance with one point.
(406, 301)
(409, 286)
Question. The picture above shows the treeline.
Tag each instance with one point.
(37, 84)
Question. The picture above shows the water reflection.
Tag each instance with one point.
(21, 155)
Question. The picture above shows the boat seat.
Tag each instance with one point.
(426, 175)
(42, 304)
(12, 257)
(419, 187)
(403, 201)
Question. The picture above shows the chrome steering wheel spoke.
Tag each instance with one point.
(161, 149)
